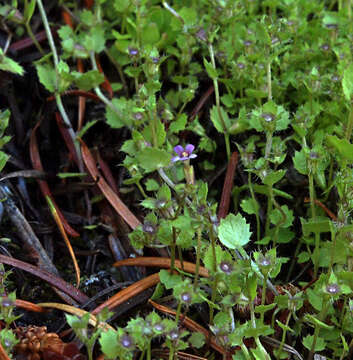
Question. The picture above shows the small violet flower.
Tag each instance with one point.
(184, 154)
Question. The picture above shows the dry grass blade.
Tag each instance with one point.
(66, 239)
(37, 164)
(75, 311)
(111, 196)
(162, 263)
(27, 305)
(128, 293)
(48, 277)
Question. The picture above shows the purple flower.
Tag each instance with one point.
(184, 154)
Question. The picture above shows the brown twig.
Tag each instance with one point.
(127, 293)
(48, 277)
(228, 186)
(107, 191)
(162, 263)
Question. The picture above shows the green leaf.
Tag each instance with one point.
(259, 330)
(276, 217)
(169, 280)
(178, 124)
(47, 76)
(4, 121)
(319, 346)
(197, 340)
(29, 10)
(3, 159)
(347, 82)
(273, 177)
(152, 185)
(70, 175)
(189, 15)
(284, 327)
(343, 146)
(7, 64)
(284, 235)
(257, 94)
(160, 132)
(234, 232)
(304, 256)
(150, 34)
(249, 206)
(88, 80)
(149, 203)
(221, 320)
(300, 163)
(94, 40)
(317, 225)
(164, 193)
(87, 18)
(251, 286)
(262, 189)
(315, 299)
(217, 121)
(211, 71)
(108, 342)
(151, 159)
(209, 259)
(264, 308)
(316, 322)
(202, 191)
(118, 119)
(86, 127)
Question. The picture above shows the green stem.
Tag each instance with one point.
(258, 224)
(317, 328)
(153, 127)
(198, 257)
(170, 183)
(99, 93)
(35, 41)
(284, 335)
(118, 68)
(313, 215)
(269, 137)
(172, 254)
(263, 296)
(149, 355)
(269, 81)
(173, 12)
(70, 130)
(282, 221)
(269, 209)
(245, 351)
(218, 104)
(139, 186)
(333, 251)
(171, 353)
(177, 314)
(48, 32)
(349, 128)
(57, 96)
(214, 282)
(257, 339)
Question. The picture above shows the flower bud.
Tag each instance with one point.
(226, 267)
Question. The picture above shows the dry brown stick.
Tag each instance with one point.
(228, 186)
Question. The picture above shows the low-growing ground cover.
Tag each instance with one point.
(180, 176)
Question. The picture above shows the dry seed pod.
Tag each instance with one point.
(37, 344)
